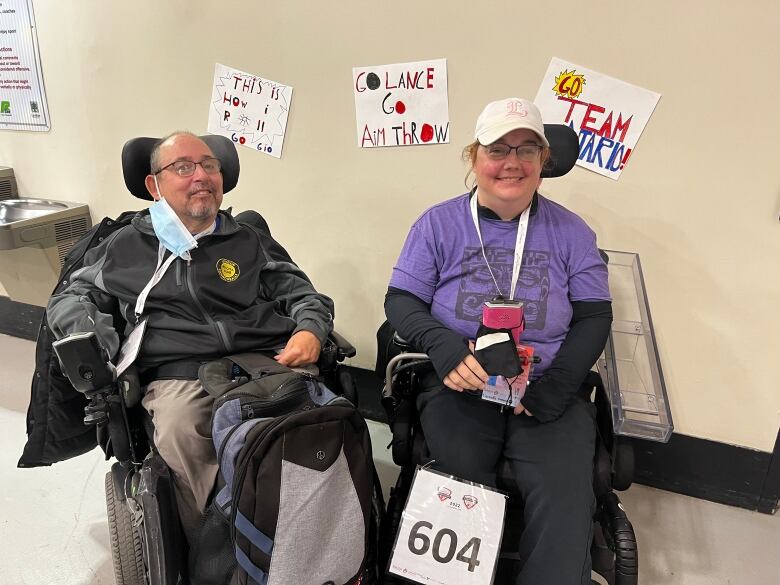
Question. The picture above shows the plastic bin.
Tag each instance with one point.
(629, 366)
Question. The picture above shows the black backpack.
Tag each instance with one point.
(297, 479)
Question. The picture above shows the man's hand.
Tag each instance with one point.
(519, 409)
(303, 348)
(467, 375)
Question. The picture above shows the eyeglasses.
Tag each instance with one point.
(186, 168)
(525, 152)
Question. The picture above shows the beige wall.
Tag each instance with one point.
(699, 200)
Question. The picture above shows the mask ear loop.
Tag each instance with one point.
(157, 185)
(159, 271)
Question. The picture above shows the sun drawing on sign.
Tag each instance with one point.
(569, 84)
(244, 119)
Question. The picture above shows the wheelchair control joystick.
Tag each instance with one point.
(83, 361)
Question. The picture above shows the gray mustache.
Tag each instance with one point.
(200, 187)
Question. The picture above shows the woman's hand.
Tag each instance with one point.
(467, 375)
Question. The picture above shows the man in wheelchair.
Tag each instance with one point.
(193, 285)
(503, 240)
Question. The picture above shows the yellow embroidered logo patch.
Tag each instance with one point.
(227, 270)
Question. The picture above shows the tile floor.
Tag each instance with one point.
(53, 528)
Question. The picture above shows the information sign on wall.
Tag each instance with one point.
(23, 103)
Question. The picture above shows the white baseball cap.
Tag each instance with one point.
(506, 115)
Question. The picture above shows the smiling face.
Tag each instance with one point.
(507, 186)
(195, 199)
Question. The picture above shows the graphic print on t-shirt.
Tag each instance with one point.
(477, 286)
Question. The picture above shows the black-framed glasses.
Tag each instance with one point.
(186, 168)
(525, 152)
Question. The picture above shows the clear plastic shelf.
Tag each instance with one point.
(629, 366)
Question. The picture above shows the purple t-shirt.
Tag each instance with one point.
(442, 264)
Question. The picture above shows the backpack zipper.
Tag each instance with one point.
(230, 395)
(249, 409)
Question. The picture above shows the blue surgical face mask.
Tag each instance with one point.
(168, 227)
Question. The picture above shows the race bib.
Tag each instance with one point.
(450, 531)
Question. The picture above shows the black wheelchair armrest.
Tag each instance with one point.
(614, 465)
(603, 410)
(401, 343)
(345, 348)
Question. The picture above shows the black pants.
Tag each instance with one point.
(552, 463)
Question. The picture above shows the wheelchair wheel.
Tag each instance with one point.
(622, 466)
(126, 546)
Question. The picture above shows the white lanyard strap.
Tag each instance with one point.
(522, 231)
(161, 268)
(159, 272)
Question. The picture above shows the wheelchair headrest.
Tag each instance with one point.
(135, 162)
(564, 147)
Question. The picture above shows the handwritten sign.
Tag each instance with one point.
(404, 104)
(608, 114)
(249, 110)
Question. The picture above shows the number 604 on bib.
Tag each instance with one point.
(450, 531)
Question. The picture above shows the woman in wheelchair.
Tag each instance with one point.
(503, 239)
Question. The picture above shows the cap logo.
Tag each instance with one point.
(516, 109)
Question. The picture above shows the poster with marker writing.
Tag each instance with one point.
(250, 110)
(403, 104)
(608, 114)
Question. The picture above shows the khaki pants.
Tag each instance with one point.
(181, 411)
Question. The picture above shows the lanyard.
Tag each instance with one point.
(522, 230)
(159, 272)
(162, 267)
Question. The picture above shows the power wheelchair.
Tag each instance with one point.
(147, 542)
(614, 548)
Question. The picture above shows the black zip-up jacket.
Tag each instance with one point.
(55, 426)
(235, 294)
